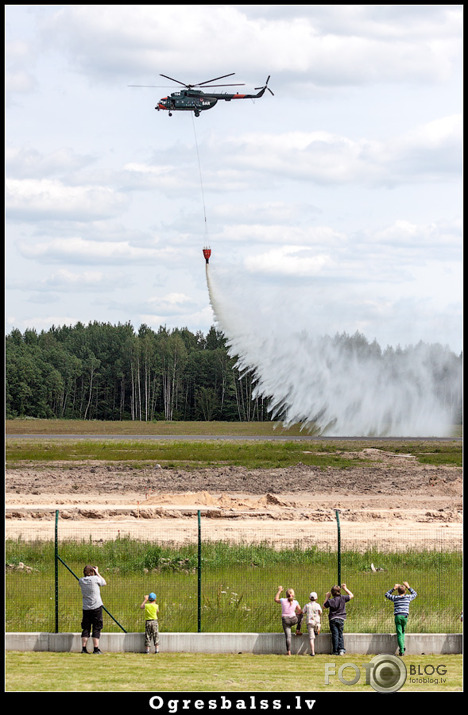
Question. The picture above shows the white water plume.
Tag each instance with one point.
(337, 385)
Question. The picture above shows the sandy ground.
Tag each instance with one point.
(395, 501)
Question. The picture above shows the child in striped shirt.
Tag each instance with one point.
(401, 602)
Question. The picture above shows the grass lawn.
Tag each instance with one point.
(262, 452)
(257, 454)
(173, 453)
(201, 672)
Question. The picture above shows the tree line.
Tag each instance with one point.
(101, 371)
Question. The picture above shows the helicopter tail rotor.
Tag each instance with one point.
(265, 86)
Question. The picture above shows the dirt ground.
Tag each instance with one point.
(394, 499)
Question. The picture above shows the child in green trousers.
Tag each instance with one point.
(401, 602)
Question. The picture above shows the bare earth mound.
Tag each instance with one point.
(395, 500)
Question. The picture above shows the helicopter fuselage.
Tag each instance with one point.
(188, 101)
(194, 100)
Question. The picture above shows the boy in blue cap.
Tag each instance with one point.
(151, 622)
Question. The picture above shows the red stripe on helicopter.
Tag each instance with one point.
(238, 96)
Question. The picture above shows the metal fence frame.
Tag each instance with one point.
(199, 566)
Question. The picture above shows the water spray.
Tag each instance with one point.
(339, 385)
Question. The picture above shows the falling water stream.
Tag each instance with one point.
(337, 385)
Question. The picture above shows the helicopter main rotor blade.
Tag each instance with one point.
(214, 79)
(223, 85)
(174, 80)
(189, 86)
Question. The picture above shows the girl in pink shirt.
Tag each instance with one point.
(291, 614)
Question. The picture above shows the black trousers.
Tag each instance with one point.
(92, 620)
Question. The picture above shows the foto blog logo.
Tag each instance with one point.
(385, 673)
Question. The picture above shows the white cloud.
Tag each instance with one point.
(289, 261)
(195, 319)
(28, 163)
(265, 213)
(360, 44)
(446, 237)
(36, 199)
(66, 280)
(78, 250)
(328, 158)
(260, 233)
(19, 81)
(172, 303)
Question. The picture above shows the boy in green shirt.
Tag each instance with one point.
(151, 622)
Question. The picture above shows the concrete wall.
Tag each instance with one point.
(364, 643)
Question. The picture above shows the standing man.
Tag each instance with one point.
(90, 585)
(401, 602)
(336, 603)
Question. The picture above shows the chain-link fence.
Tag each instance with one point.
(221, 575)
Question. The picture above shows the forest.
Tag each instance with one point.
(101, 371)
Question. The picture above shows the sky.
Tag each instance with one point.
(340, 196)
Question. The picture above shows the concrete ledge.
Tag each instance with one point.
(261, 643)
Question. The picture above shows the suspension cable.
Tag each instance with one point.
(200, 173)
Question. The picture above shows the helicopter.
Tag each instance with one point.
(195, 100)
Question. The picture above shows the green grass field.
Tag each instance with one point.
(173, 453)
(190, 455)
(173, 672)
(259, 454)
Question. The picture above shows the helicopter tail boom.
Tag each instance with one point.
(238, 95)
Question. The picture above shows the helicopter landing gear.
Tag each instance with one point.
(197, 113)
(170, 114)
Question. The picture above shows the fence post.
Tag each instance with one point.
(56, 573)
(199, 573)
(337, 513)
